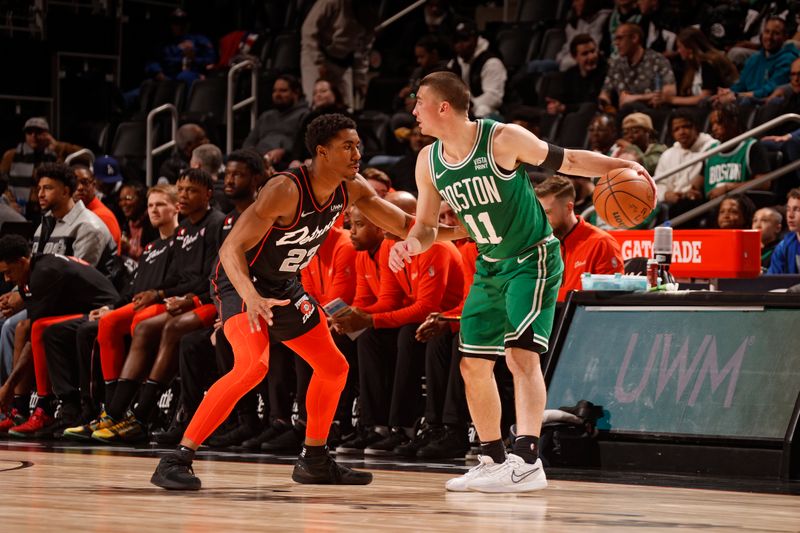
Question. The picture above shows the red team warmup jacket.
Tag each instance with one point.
(433, 281)
(469, 253)
(587, 248)
(368, 275)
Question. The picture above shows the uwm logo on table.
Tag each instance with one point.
(717, 253)
(673, 365)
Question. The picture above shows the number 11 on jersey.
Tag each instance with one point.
(491, 236)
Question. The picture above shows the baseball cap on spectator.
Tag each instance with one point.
(106, 169)
(638, 120)
(36, 123)
(464, 30)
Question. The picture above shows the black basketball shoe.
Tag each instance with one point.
(323, 470)
(175, 473)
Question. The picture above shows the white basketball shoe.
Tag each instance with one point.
(484, 468)
(515, 475)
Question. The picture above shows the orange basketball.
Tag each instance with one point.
(623, 198)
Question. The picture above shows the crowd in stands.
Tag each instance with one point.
(106, 296)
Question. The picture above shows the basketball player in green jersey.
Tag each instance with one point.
(476, 167)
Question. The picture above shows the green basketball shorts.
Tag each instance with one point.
(512, 302)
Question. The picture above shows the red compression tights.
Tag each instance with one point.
(251, 362)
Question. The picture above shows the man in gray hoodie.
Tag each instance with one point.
(276, 129)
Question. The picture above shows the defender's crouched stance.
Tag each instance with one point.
(260, 298)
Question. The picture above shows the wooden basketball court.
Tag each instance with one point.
(48, 488)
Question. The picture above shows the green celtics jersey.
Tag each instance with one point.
(730, 167)
(499, 209)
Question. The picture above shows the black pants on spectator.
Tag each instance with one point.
(197, 364)
(390, 364)
(377, 354)
(407, 404)
(91, 373)
(445, 401)
(63, 364)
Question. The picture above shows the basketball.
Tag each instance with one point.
(623, 198)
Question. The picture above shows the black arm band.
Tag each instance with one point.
(555, 157)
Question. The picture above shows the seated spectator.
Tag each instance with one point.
(744, 25)
(179, 304)
(187, 138)
(109, 179)
(765, 70)
(432, 282)
(735, 212)
(624, 11)
(325, 99)
(651, 20)
(55, 288)
(726, 171)
(379, 180)
(431, 57)
(186, 57)
(768, 221)
(276, 129)
(209, 158)
(787, 98)
(18, 164)
(587, 17)
(706, 69)
(9, 210)
(444, 435)
(402, 171)
(638, 139)
(367, 239)
(480, 68)
(137, 231)
(786, 255)
(603, 134)
(582, 82)
(86, 192)
(68, 228)
(689, 142)
(584, 248)
(638, 77)
(110, 324)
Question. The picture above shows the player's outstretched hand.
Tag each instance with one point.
(644, 173)
(259, 306)
(401, 253)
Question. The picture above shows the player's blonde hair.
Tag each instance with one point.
(559, 186)
(167, 190)
(450, 88)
